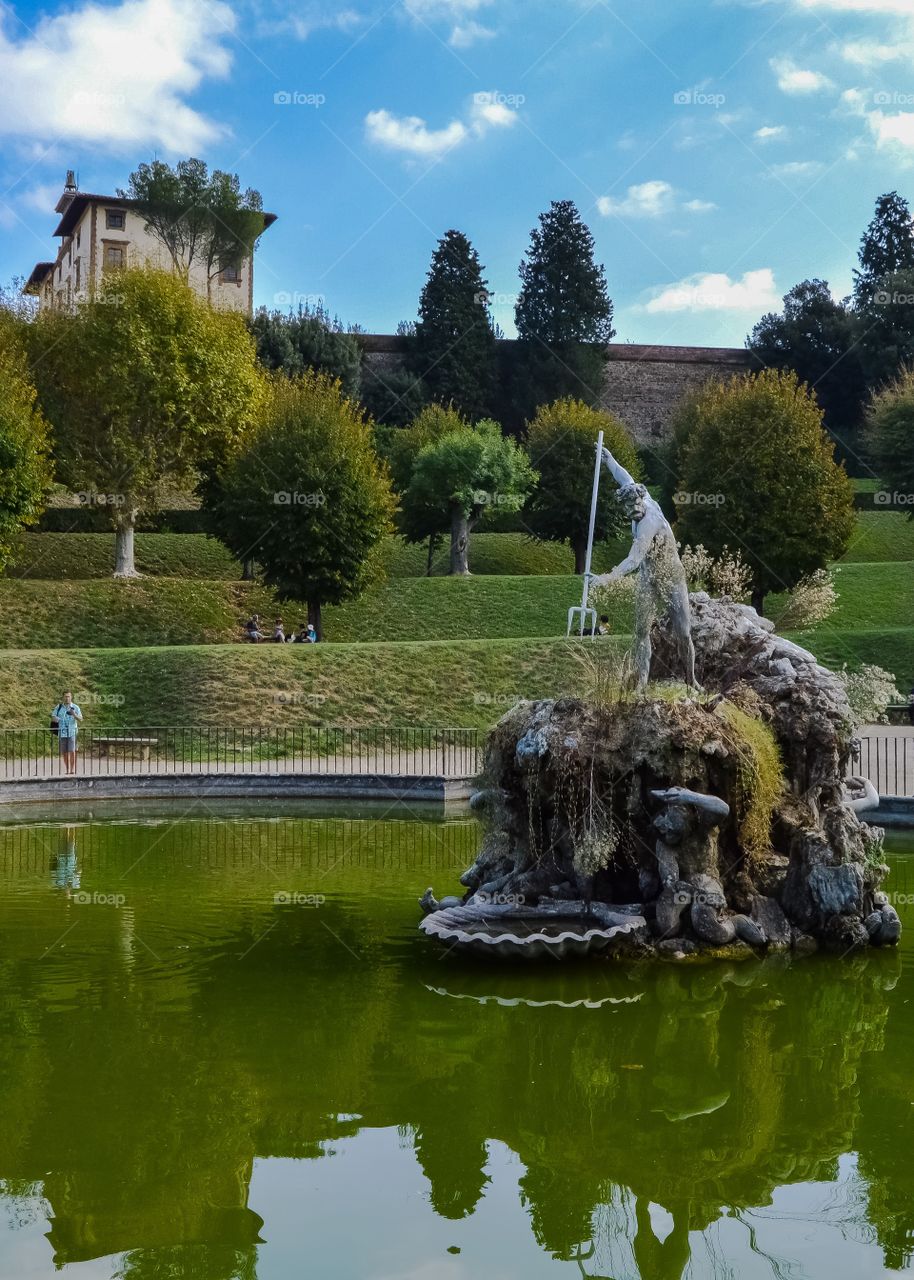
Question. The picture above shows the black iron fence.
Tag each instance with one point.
(375, 750)
(887, 759)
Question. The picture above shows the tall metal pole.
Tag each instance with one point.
(585, 596)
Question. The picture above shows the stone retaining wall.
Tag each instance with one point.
(643, 386)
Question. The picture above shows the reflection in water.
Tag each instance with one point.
(147, 1069)
(64, 868)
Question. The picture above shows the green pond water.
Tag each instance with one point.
(226, 1051)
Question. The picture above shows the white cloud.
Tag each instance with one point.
(42, 198)
(653, 199)
(902, 7)
(412, 135)
(770, 133)
(895, 132)
(869, 55)
(646, 200)
(467, 33)
(115, 75)
(711, 291)
(798, 169)
(309, 19)
(794, 79)
(458, 14)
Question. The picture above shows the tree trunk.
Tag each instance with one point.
(579, 547)
(314, 617)
(247, 570)
(758, 602)
(460, 543)
(432, 548)
(124, 527)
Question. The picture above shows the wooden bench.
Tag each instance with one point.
(105, 744)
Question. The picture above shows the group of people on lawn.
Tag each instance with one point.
(253, 632)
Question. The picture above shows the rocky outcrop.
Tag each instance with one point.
(719, 818)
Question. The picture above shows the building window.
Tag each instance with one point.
(230, 275)
(78, 261)
(114, 219)
(115, 256)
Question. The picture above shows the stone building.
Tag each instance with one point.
(100, 234)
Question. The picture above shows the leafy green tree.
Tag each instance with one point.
(563, 314)
(817, 337)
(426, 521)
(886, 325)
(291, 342)
(25, 472)
(758, 475)
(311, 494)
(464, 475)
(454, 347)
(889, 435)
(561, 443)
(142, 385)
(201, 218)
(392, 397)
(887, 247)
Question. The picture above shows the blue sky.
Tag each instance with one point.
(720, 150)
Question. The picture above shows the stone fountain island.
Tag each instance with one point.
(677, 821)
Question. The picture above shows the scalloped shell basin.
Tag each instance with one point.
(508, 932)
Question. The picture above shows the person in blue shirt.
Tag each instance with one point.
(68, 718)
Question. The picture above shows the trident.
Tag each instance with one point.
(584, 610)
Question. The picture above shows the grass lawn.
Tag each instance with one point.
(881, 536)
(439, 684)
(467, 684)
(150, 611)
(76, 556)
(98, 613)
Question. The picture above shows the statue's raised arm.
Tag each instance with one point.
(661, 584)
(617, 471)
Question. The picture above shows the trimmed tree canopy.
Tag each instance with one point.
(465, 474)
(308, 495)
(889, 437)
(25, 472)
(561, 443)
(141, 385)
(201, 218)
(758, 475)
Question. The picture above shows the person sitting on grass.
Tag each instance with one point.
(252, 630)
(279, 632)
(311, 637)
(301, 635)
(67, 717)
(604, 628)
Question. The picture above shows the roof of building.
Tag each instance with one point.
(36, 279)
(83, 199)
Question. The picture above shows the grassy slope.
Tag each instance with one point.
(167, 611)
(152, 611)
(71, 556)
(467, 684)
(881, 536)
